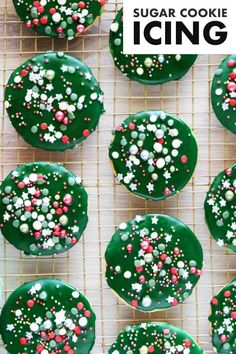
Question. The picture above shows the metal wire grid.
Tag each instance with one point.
(83, 266)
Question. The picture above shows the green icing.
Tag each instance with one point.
(146, 69)
(223, 319)
(223, 93)
(54, 101)
(44, 214)
(59, 18)
(154, 154)
(154, 337)
(220, 208)
(40, 317)
(153, 262)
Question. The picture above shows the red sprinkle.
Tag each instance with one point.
(30, 303)
(184, 159)
(43, 126)
(86, 133)
(22, 341)
(131, 126)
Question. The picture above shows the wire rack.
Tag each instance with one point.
(83, 266)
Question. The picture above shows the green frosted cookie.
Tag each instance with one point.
(223, 319)
(154, 154)
(153, 262)
(220, 208)
(146, 69)
(47, 316)
(43, 208)
(59, 18)
(154, 337)
(223, 93)
(54, 101)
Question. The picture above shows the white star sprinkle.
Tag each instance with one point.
(119, 177)
(64, 68)
(226, 184)
(168, 238)
(10, 327)
(167, 175)
(133, 187)
(138, 218)
(220, 243)
(150, 187)
(170, 299)
(60, 317)
(88, 76)
(51, 128)
(154, 220)
(74, 229)
(188, 285)
(137, 287)
(225, 106)
(15, 174)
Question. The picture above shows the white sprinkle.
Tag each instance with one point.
(94, 96)
(153, 118)
(56, 17)
(133, 149)
(157, 147)
(219, 92)
(114, 27)
(115, 155)
(17, 79)
(161, 58)
(63, 106)
(83, 321)
(75, 294)
(37, 225)
(176, 143)
(47, 324)
(144, 155)
(174, 153)
(37, 287)
(140, 71)
(34, 327)
(122, 226)
(18, 313)
(127, 274)
(146, 301)
(178, 57)
(160, 163)
(41, 218)
(163, 115)
(159, 133)
(58, 135)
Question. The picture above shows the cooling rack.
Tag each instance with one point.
(83, 266)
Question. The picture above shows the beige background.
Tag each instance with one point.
(110, 204)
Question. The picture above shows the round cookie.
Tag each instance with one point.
(154, 337)
(223, 319)
(47, 316)
(54, 101)
(146, 69)
(223, 93)
(153, 262)
(43, 208)
(220, 208)
(154, 154)
(59, 18)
